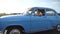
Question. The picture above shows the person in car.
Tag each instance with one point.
(39, 12)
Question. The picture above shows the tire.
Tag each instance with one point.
(14, 30)
(58, 28)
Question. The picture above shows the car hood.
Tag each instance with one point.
(13, 18)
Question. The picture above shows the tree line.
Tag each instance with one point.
(3, 14)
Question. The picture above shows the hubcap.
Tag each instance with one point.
(58, 27)
(15, 31)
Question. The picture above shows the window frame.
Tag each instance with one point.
(37, 15)
(50, 10)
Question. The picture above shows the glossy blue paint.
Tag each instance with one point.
(23, 21)
(31, 23)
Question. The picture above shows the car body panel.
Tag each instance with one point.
(40, 23)
(23, 21)
(31, 23)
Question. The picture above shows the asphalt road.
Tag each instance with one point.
(48, 32)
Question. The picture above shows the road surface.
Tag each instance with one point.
(48, 32)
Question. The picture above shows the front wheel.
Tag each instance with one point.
(14, 30)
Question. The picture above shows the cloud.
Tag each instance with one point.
(11, 6)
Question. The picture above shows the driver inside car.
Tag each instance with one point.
(39, 12)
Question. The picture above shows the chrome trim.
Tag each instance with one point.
(1, 32)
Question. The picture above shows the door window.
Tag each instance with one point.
(39, 12)
(50, 13)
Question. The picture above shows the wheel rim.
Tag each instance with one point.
(58, 27)
(15, 31)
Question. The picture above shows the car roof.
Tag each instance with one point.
(35, 8)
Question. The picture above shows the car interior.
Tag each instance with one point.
(39, 12)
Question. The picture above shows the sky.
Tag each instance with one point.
(20, 6)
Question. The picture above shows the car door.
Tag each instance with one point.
(53, 17)
(39, 23)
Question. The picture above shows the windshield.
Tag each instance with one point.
(28, 13)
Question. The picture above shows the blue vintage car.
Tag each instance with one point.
(36, 19)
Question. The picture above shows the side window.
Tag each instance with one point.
(39, 12)
(50, 13)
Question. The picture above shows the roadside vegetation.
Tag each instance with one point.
(3, 14)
